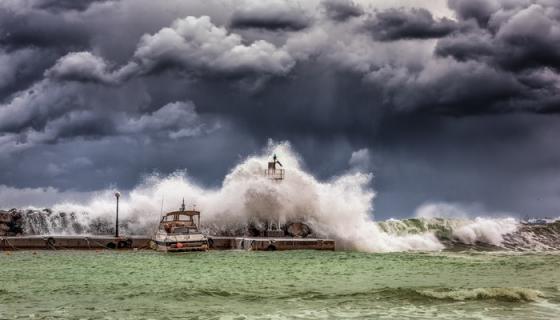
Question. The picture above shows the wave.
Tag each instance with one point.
(340, 208)
(498, 294)
(449, 294)
(481, 233)
(420, 233)
(412, 294)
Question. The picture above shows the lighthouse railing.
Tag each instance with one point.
(275, 174)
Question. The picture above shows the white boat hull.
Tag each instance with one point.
(180, 243)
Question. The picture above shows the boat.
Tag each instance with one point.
(179, 231)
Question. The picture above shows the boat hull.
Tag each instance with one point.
(183, 247)
(179, 243)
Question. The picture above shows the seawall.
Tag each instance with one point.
(42, 242)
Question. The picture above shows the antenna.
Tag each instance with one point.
(161, 211)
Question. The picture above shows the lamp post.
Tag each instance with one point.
(117, 195)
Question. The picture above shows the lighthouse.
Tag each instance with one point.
(275, 171)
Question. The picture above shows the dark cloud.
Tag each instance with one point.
(460, 109)
(528, 38)
(479, 10)
(20, 68)
(341, 10)
(37, 28)
(473, 46)
(270, 16)
(62, 5)
(439, 89)
(397, 24)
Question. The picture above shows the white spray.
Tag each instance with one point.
(340, 208)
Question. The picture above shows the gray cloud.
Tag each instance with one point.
(63, 5)
(450, 108)
(175, 120)
(27, 27)
(396, 24)
(82, 67)
(527, 37)
(272, 15)
(341, 10)
(197, 45)
(191, 45)
(35, 107)
(479, 10)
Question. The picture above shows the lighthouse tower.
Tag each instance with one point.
(274, 171)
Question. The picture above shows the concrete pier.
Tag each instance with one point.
(269, 244)
(72, 242)
(143, 242)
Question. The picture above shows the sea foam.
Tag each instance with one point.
(340, 208)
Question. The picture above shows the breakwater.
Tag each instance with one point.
(144, 242)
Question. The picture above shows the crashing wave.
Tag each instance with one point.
(340, 208)
(481, 233)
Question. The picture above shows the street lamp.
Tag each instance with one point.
(117, 195)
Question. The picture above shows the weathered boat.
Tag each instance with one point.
(180, 231)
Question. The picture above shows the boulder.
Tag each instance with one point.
(298, 229)
(5, 217)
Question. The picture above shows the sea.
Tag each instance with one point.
(105, 284)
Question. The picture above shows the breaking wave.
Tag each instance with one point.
(422, 294)
(499, 294)
(340, 208)
(481, 233)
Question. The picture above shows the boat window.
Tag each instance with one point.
(169, 218)
(184, 217)
(181, 230)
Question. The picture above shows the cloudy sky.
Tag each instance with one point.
(444, 101)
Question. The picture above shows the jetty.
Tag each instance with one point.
(79, 242)
(274, 235)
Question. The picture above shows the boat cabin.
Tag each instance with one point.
(181, 222)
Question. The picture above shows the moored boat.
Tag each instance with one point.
(180, 231)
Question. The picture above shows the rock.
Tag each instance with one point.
(5, 217)
(298, 229)
(11, 222)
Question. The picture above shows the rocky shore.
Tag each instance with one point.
(28, 222)
(11, 222)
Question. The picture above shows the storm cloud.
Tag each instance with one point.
(272, 15)
(396, 24)
(341, 10)
(459, 106)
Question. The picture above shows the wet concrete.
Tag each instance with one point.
(143, 242)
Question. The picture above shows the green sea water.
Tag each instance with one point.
(278, 285)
